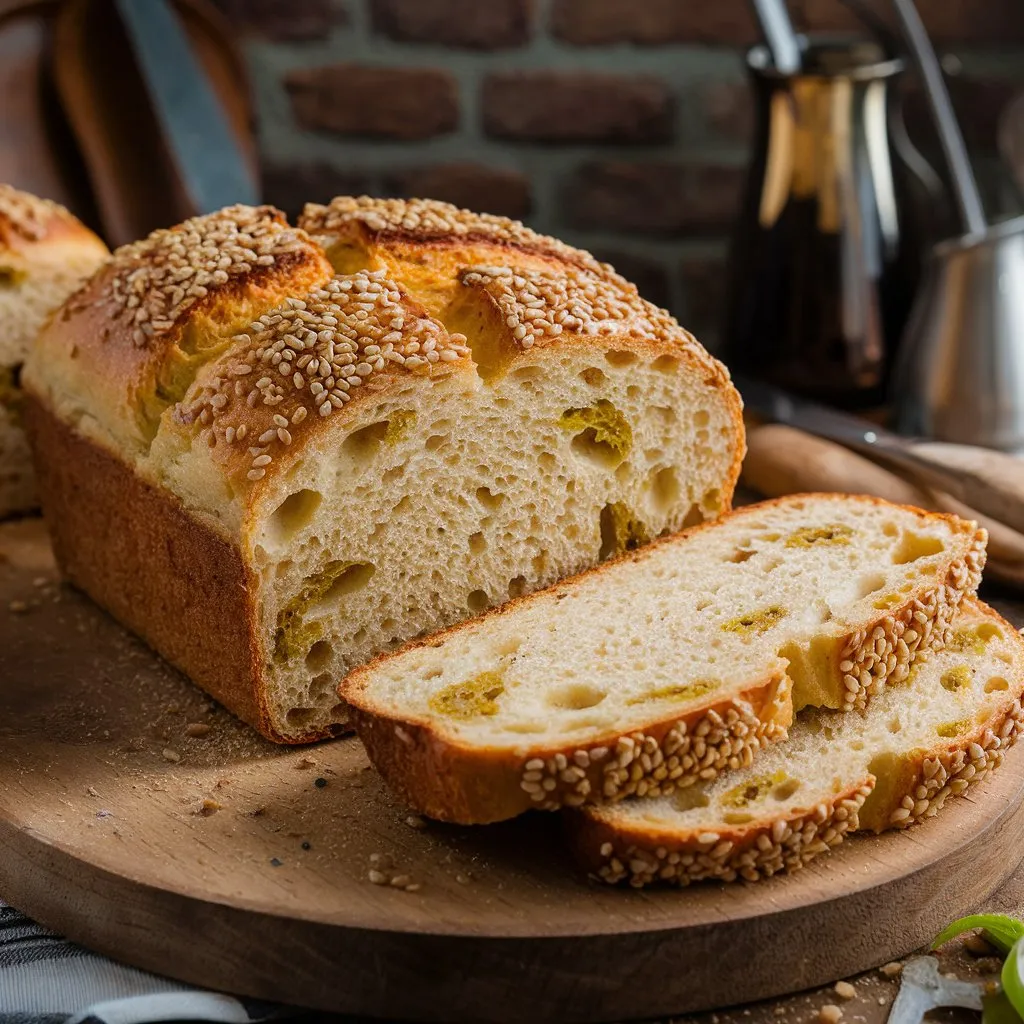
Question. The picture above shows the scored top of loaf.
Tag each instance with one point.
(230, 339)
(27, 220)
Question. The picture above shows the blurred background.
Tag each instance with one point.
(623, 126)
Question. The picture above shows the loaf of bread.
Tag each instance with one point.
(672, 664)
(45, 253)
(886, 767)
(274, 468)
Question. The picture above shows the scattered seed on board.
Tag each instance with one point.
(196, 729)
(171, 755)
(891, 970)
(845, 990)
(830, 1014)
(18, 607)
(415, 821)
(377, 877)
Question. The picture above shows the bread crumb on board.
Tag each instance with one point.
(891, 970)
(170, 754)
(197, 729)
(845, 990)
(830, 1014)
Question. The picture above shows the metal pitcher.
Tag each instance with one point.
(960, 372)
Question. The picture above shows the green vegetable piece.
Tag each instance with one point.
(1000, 929)
(756, 622)
(469, 699)
(600, 429)
(1013, 977)
(808, 536)
(997, 1009)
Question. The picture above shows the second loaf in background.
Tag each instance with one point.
(274, 468)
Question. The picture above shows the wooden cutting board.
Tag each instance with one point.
(225, 861)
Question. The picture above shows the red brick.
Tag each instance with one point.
(555, 106)
(653, 22)
(728, 109)
(290, 186)
(704, 281)
(949, 22)
(484, 189)
(390, 103)
(469, 24)
(298, 20)
(649, 275)
(655, 198)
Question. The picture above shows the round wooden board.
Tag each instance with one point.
(265, 891)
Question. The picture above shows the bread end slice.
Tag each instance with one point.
(467, 784)
(760, 849)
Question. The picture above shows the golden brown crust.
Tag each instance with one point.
(616, 849)
(419, 769)
(152, 565)
(131, 340)
(454, 782)
(191, 335)
(28, 222)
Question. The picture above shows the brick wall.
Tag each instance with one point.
(619, 125)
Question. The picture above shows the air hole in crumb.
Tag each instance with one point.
(393, 474)
(665, 364)
(712, 500)
(352, 579)
(300, 718)
(435, 441)
(737, 817)
(619, 358)
(528, 373)
(870, 584)
(576, 697)
(665, 488)
(856, 744)
(477, 543)
(322, 685)
(890, 529)
(478, 601)
(771, 564)
(742, 554)
(319, 656)
(295, 513)
(517, 586)
(488, 498)
(694, 517)
(701, 418)
(664, 412)
(996, 684)
(633, 392)
(593, 376)
(916, 545)
(895, 725)
(362, 444)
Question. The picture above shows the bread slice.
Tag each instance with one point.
(674, 663)
(45, 254)
(274, 469)
(885, 767)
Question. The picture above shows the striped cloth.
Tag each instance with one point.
(44, 979)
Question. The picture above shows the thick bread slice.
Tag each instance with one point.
(673, 663)
(885, 767)
(45, 254)
(273, 472)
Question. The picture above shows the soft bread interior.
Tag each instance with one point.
(684, 624)
(949, 698)
(449, 496)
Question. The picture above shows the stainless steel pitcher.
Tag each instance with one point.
(960, 372)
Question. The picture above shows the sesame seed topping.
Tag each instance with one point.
(337, 335)
(29, 215)
(428, 219)
(155, 281)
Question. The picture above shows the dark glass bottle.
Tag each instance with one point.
(827, 252)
